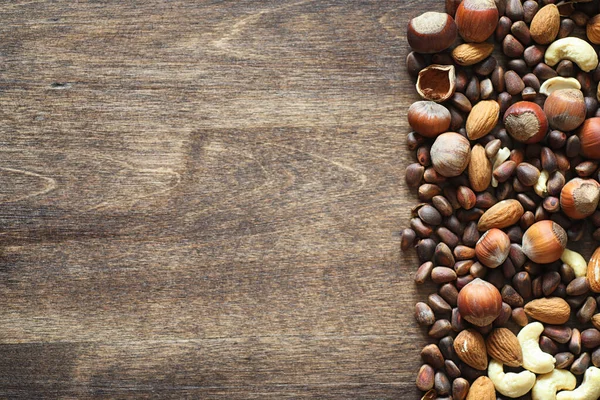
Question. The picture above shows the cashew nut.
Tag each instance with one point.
(540, 187)
(501, 156)
(534, 359)
(547, 385)
(588, 390)
(574, 49)
(557, 83)
(510, 384)
(575, 261)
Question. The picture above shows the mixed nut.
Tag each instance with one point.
(507, 142)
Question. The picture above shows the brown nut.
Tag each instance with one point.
(492, 248)
(544, 242)
(579, 197)
(504, 346)
(565, 109)
(450, 154)
(511, 47)
(482, 119)
(480, 169)
(593, 273)
(527, 174)
(545, 24)
(593, 29)
(431, 32)
(425, 377)
(479, 302)
(415, 62)
(476, 20)
(526, 122)
(437, 82)
(469, 346)
(589, 137)
(514, 9)
(501, 215)
(551, 310)
(429, 118)
(471, 53)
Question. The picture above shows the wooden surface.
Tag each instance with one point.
(202, 199)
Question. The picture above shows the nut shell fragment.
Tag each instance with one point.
(437, 82)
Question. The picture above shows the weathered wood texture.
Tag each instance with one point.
(202, 199)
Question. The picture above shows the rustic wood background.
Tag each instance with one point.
(203, 199)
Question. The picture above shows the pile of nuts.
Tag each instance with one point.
(507, 145)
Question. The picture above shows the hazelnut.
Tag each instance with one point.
(565, 109)
(431, 32)
(526, 122)
(492, 248)
(544, 242)
(450, 154)
(479, 302)
(437, 82)
(429, 118)
(476, 20)
(579, 197)
(589, 137)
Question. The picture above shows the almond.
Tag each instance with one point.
(545, 24)
(504, 346)
(470, 348)
(501, 215)
(553, 310)
(482, 389)
(471, 53)
(593, 271)
(482, 119)
(596, 321)
(480, 169)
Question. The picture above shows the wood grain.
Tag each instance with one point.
(203, 199)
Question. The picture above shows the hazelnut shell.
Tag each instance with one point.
(589, 137)
(579, 197)
(526, 122)
(437, 82)
(544, 242)
(450, 154)
(429, 118)
(476, 20)
(492, 248)
(431, 32)
(565, 109)
(479, 302)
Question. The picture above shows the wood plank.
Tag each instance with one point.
(203, 199)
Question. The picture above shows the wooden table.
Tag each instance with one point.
(203, 199)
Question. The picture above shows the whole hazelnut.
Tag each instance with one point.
(589, 137)
(437, 82)
(429, 118)
(544, 242)
(450, 154)
(579, 197)
(476, 20)
(526, 122)
(492, 248)
(479, 302)
(431, 32)
(565, 109)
